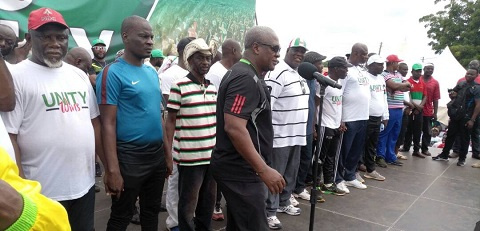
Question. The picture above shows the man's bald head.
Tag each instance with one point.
(359, 54)
(259, 34)
(231, 52)
(230, 44)
(474, 64)
(79, 57)
(131, 22)
(9, 39)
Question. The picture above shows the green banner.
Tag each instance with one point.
(171, 20)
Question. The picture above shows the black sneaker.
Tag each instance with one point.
(461, 163)
(332, 189)
(440, 158)
(396, 163)
(381, 162)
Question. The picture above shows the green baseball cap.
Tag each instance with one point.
(417, 66)
(98, 41)
(157, 53)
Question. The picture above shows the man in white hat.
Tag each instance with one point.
(192, 119)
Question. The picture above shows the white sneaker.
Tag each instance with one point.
(374, 175)
(359, 177)
(274, 223)
(343, 187)
(303, 195)
(355, 183)
(290, 210)
(293, 201)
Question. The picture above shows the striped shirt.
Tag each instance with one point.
(195, 126)
(394, 99)
(289, 101)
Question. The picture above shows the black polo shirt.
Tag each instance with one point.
(244, 95)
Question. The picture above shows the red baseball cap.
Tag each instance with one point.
(393, 58)
(42, 16)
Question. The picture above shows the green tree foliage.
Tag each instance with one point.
(456, 26)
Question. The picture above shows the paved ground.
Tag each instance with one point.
(421, 195)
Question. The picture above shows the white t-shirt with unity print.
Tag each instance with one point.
(52, 120)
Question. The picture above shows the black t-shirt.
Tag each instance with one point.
(244, 95)
(96, 67)
(472, 94)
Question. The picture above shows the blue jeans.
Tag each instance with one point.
(306, 153)
(196, 196)
(388, 137)
(353, 144)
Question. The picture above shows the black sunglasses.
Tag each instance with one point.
(275, 48)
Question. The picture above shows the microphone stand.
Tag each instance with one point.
(318, 145)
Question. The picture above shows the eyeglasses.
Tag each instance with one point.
(99, 48)
(275, 48)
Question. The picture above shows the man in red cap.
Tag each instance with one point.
(54, 123)
(395, 99)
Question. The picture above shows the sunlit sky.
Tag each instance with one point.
(332, 27)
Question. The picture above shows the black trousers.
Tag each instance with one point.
(457, 128)
(371, 141)
(426, 132)
(81, 211)
(330, 153)
(474, 137)
(401, 136)
(246, 209)
(414, 132)
(144, 181)
(196, 197)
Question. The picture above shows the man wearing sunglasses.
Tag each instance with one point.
(241, 158)
(99, 50)
(289, 102)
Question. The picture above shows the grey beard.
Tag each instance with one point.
(51, 64)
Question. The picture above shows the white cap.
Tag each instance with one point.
(375, 59)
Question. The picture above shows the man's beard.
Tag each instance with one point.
(53, 64)
(99, 56)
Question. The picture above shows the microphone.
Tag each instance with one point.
(308, 71)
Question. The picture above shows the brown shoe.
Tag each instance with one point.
(418, 154)
(426, 153)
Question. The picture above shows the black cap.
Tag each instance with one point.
(183, 43)
(338, 61)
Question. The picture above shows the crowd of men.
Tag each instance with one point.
(245, 127)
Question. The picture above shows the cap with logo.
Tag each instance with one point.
(338, 61)
(393, 58)
(157, 53)
(98, 41)
(375, 59)
(298, 42)
(417, 66)
(42, 16)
